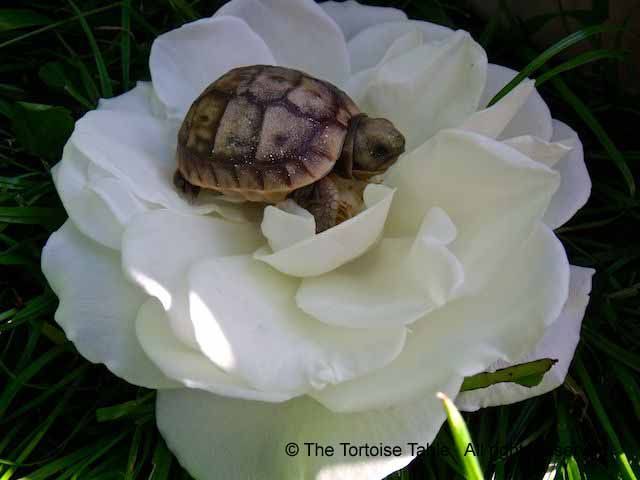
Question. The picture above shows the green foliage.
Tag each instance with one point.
(41, 130)
(527, 374)
(64, 418)
(462, 440)
(12, 19)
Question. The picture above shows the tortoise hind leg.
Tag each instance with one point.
(331, 200)
(188, 190)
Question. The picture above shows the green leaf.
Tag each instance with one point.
(12, 19)
(41, 130)
(462, 439)
(527, 374)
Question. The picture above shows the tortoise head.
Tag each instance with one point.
(377, 145)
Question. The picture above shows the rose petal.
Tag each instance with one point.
(492, 121)
(299, 33)
(136, 100)
(533, 118)
(353, 17)
(139, 150)
(250, 438)
(332, 248)
(98, 306)
(539, 150)
(503, 321)
(429, 88)
(493, 194)
(559, 342)
(395, 284)
(287, 224)
(188, 366)
(575, 184)
(185, 60)
(371, 46)
(159, 248)
(246, 321)
(99, 208)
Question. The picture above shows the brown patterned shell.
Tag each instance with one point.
(259, 132)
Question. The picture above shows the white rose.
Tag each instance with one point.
(256, 331)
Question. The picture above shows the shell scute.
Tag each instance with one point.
(283, 134)
(271, 84)
(235, 79)
(236, 136)
(314, 98)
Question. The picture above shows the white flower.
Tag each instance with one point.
(256, 331)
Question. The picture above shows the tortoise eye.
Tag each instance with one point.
(380, 150)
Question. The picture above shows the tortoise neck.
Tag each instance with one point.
(344, 165)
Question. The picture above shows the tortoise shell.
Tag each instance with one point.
(259, 132)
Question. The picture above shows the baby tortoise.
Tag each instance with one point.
(264, 133)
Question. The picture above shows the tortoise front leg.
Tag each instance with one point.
(331, 200)
(188, 190)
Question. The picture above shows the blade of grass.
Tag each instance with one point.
(618, 353)
(95, 455)
(162, 459)
(503, 418)
(125, 409)
(134, 454)
(596, 404)
(580, 60)
(462, 440)
(39, 433)
(48, 393)
(63, 463)
(52, 26)
(183, 8)
(596, 127)
(125, 43)
(549, 53)
(11, 19)
(103, 74)
(630, 385)
(565, 441)
(31, 215)
(14, 386)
